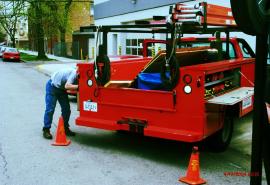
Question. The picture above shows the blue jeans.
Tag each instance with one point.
(52, 95)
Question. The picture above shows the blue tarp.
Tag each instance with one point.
(149, 81)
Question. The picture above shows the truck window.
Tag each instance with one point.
(195, 44)
(231, 50)
(245, 52)
(232, 54)
(155, 47)
(246, 49)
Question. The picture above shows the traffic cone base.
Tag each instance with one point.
(60, 138)
(188, 181)
(62, 144)
(193, 172)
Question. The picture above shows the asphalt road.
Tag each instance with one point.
(94, 157)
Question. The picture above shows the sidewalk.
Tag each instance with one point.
(51, 67)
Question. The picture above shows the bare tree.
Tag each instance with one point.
(10, 12)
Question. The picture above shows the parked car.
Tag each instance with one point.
(11, 54)
(2, 49)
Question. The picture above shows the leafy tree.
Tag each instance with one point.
(48, 18)
(2, 35)
(63, 19)
(61, 10)
(35, 15)
(63, 25)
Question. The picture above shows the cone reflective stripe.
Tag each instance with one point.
(193, 172)
(60, 137)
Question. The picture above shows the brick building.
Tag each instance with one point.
(79, 16)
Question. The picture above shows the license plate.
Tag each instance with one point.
(90, 106)
(247, 102)
(11, 57)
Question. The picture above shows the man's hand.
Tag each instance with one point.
(71, 86)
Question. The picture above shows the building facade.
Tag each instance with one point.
(21, 35)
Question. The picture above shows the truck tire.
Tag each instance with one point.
(251, 16)
(222, 139)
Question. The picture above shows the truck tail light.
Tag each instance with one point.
(187, 79)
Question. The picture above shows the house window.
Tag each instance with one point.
(134, 46)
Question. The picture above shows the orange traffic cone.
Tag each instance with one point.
(193, 173)
(60, 138)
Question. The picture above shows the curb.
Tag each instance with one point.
(41, 70)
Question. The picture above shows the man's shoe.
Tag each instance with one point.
(47, 134)
(69, 132)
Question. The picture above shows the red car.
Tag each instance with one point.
(11, 54)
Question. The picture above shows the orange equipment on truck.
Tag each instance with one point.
(189, 92)
(203, 13)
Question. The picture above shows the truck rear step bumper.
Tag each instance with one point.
(153, 131)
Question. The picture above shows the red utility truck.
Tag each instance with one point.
(189, 92)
